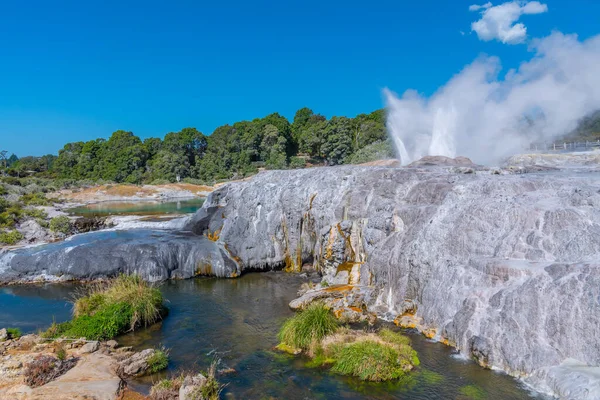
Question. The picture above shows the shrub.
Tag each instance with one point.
(297, 162)
(3, 190)
(11, 237)
(61, 353)
(379, 150)
(108, 310)
(4, 204)
(35, 213)
(160, 182)
(193, 181)
(306, 329)
(45, 368)
(9, 180)
(11, 215)
(35, 199)
(60, 224)
(158, 361)
(14, 333)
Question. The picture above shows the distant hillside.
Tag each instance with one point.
(588, 130)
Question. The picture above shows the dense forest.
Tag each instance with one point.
(231, 151)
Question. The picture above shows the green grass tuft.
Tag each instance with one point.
(368, 360)
(14, 333)
(158, 361)
(394, 337)
(125, 304)
(306, 329)
(402, 344)
(211, 390)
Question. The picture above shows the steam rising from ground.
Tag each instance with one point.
(486, 117)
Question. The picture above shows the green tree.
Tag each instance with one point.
(169, 165)
(338, 140)
(273, 148)
(312, 136)
(67, 160)
(123, 158)
(153, 146)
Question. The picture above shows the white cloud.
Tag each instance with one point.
(484, 116)
(500, 22)
(476, 7)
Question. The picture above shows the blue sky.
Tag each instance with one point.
(78, 70)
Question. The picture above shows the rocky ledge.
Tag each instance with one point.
(96, 370)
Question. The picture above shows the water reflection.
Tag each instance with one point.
(145, 207)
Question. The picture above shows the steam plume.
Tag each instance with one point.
(486, 117)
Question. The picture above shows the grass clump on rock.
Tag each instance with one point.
(374, 357)
(158, 361)
(122, 305)
(369, 356)
(14, 333)
(166, 389)
(305, 330)
(204, 386)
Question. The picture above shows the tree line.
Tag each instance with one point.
(231, 151)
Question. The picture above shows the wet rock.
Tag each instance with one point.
(191, 386)
(135, 365)
(313, 295)
(112, 344)
(85, 224)
(154, 255)
(479, 348)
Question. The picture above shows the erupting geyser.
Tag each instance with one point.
(485, 117)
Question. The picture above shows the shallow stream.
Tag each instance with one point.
(237, 320)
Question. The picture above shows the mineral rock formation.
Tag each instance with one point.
(505, 267)
(154, 255)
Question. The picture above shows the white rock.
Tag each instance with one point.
(89, 347)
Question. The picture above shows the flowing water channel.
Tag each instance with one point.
(236, 321)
